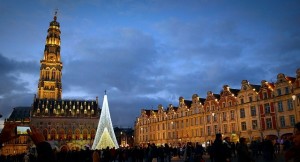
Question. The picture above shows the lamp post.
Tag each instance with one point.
(294, 105)
(213, 119)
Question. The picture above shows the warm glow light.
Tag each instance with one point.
(294, 97)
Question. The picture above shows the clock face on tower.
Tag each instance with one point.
(51, 58)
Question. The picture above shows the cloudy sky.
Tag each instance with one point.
(147, 52)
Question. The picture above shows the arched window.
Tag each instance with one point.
(45, 134)
(77, 134)
(84, 134)
(61, 134)
(93, 133)
(53, 134)
(69, 135)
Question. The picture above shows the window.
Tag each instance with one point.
(290, 104)
(223, 104)
(282, 121)
(242, 113)
(207, 109)
(201, 120)
(250, 99)
(232, 114)
(254, 124)
(287, 90)
(244, 127)
(253, 111)
(233, 127)
(201, 132)
(187, 122)
(224, 116)
(279, 92)
(265, 95)
(267, 108)
(215, 116)
(292, 120)
(269, 123)
(208, 130)
(208, 118)
(225, 128)
(280, 107)
(242, 101)
(216, 129)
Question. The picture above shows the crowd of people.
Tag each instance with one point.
(220, 150)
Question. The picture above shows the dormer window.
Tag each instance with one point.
(287, 90)
(250, 99)
(279, 92)
(265, 95)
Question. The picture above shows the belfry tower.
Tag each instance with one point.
(50, 86)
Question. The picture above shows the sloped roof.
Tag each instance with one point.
(188, 103)
(217, 96)
(19, 114)
(202, 100)
(292, 79)
(235, 91)
(256, 87)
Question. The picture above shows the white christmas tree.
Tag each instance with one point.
(105, 135)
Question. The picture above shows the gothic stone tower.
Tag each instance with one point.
(69, 123)
(50, 86)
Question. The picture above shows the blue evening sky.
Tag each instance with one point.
(147, 52)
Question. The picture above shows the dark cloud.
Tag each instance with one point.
(15, 90)
(149, 53)
(11, 75)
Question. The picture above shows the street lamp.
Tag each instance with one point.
(294, 105)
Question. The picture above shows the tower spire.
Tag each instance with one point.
(55, 15)
(50, 86)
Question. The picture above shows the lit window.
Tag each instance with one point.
(242, 113)
(282, 121)
(267, 108)
(269, 123)
(290, 104)
(292, 120)
(280, 107)
(254, 124)
(244, 127)
(253, 111)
